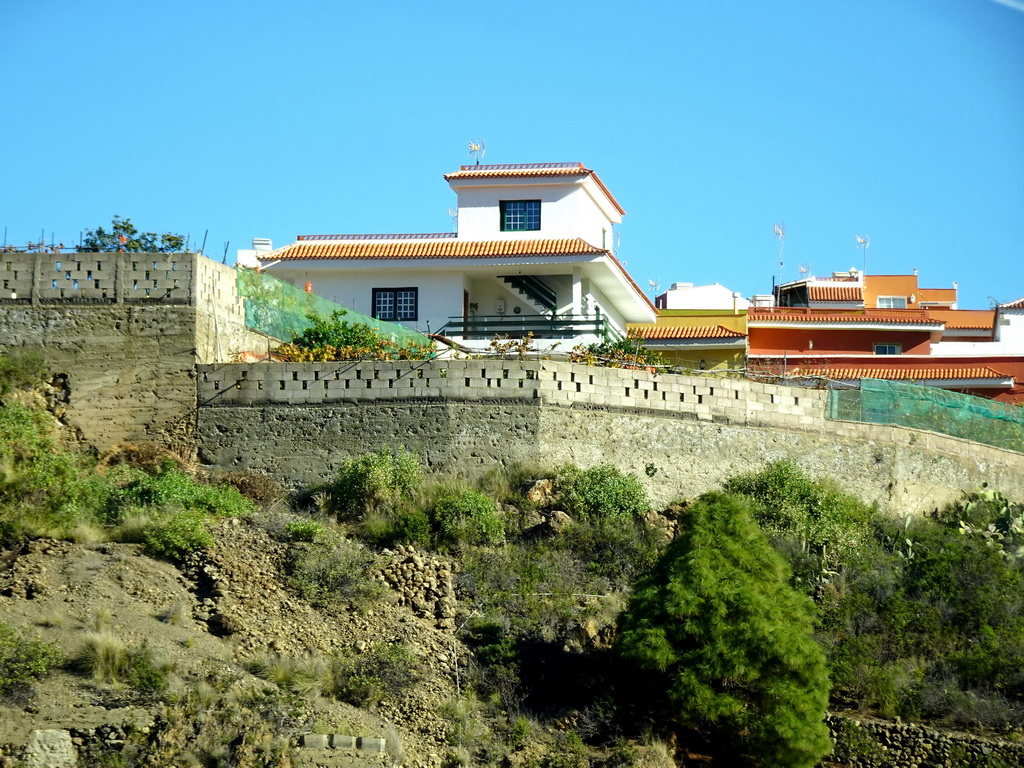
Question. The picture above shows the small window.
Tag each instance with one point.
(892, 302)
(396, 303)
(520, 215)
(888, 349)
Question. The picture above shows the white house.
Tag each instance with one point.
(532, 253)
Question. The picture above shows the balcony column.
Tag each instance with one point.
(577, 292)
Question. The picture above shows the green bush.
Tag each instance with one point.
(363, 679)
(468, 517)
(22, 660)
(812, 522)
(374, 481)
(170, 487)
(401, 525)
(46, 489)
(19, 368)
(177, 535)
(305, 530)
(331, 569)
(718, 626)
(601, 491)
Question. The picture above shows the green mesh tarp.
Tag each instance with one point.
(281, 310)
(937, 410)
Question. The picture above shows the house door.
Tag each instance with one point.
(465, 310)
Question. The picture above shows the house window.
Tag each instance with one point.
(892, 302)
(520, 215)
(395, 303)
(888, 349)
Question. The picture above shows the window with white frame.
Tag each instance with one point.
(892, 302)
(888, 349)
(520, 215)
(396, 304)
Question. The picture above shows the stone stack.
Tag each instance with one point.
(423, 583)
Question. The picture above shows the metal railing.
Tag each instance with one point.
(517, 326)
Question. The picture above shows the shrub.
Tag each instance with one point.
(19, 368)
(718, 625)
(305, 530)
(363, 679)
(630, 352)
(813, 523)
(332, 568)
(177, 535)
(468, 517)
(22, 660)
(170, 487)
(108, 659)
(402, 525)
(601, 491)
(373, 481)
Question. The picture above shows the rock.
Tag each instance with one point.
(50, 748)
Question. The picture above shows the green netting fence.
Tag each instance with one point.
(280, 309)
(937, 410)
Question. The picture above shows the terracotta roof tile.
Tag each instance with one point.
(434, 249)
(903, 373)
(835, 293)
(1018, 304)
(798, 315)
(530, 170)
(670, 332)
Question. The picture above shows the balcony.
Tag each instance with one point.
(517, 326)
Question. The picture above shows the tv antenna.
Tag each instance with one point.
(477, 149)
(454, 213)
(655, 285)
(780, 232)
(863, 241)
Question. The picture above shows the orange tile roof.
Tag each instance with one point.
(531, 170)
(799, 315)
(835, 292)
(666, 332)
(448, 248)
(1018, 304)
(902, 373)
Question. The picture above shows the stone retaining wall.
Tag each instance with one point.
(125, 336)
(681, 435)
(862, 743)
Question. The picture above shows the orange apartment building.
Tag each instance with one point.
(851, 326)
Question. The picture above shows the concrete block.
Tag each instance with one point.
(314, 741)
(339, 741)
(372, 744)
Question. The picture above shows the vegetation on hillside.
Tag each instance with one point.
(738, 611)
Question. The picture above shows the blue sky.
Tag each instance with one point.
(709, 121)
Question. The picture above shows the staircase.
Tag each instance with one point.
(534, 292)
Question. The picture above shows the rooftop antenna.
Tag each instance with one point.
(863, 241)
(454, 213)
(477, 149)
(780, 232)
(655, 285)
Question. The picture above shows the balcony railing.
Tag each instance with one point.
(517, 326)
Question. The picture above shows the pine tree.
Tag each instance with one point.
(731, 639)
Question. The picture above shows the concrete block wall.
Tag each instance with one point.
(126, 330)
(366, 382)
(97, 277)
(682, 435)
